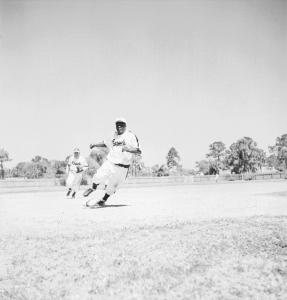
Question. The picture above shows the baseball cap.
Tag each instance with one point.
(121, 120)
(76, 150)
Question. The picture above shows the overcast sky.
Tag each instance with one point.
(183, 74)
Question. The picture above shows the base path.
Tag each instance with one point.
(49, 211)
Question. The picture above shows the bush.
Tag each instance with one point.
(62, 181)
(85, 181)
(248, 177)
(229, 177)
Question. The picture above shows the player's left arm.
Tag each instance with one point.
(132, 146)
(132, 150)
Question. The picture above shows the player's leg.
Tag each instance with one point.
(76, 184)
(100, 177)
(68, 192)
(90, 190)
(107, 195)
(110, 183)
(118, 176)
(69, 183)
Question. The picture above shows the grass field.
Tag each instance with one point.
(218, 241)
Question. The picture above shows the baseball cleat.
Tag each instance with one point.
(88, 192)
(101, 203)
(68, 193)
(91, 203)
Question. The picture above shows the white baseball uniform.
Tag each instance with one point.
(74, 179)
(114, 170)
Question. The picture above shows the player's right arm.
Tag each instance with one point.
(68, 166)
(101, 144)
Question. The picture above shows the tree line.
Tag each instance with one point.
(243, 156)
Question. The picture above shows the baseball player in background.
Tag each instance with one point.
(75, 168)
(113, 172)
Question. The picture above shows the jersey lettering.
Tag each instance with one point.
(116, 155)
(118, 143)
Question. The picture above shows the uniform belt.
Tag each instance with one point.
(123, 166)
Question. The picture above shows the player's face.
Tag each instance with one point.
(76, 154)
(121, 127)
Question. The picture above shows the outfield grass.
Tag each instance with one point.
(190, 242)
(219, 259)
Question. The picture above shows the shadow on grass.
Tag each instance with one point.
(276, 194)
(108, 206)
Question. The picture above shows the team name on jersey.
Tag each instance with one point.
(118, 143)
(76, 163)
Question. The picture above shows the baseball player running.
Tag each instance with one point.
(114, 170)
(75, 168)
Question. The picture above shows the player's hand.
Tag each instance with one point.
(79, 170)
(125, 148)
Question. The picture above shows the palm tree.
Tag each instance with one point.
(279, 150)
(216, 155)
(4, 156)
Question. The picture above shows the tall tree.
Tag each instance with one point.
(172, 158)
(244, 156)
(4, 156)
(136, 165)
(279, 152)
(216, 155)
(273, 162)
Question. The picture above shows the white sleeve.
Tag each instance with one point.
(70, 161)
(133, 141)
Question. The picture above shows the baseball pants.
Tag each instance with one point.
(74, 181)
(111, 175)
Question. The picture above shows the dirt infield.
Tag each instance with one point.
(218, 241)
